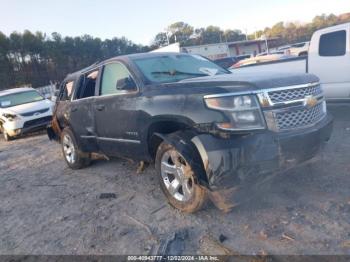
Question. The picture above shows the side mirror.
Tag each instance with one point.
(126, 83)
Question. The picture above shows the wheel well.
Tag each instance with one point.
(163, 127)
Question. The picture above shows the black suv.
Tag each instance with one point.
(210, 132)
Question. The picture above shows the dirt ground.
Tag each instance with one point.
(46, 208)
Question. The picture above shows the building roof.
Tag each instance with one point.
(235, 42)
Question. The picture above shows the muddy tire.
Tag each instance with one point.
(178, 180)
(74, 157)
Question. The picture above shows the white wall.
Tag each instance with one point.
(211, 51)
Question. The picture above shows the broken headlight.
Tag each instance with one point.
(9, 117)
(242, 111)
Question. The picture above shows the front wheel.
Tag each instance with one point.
(6, 136)
(75, 158)
(178, 180)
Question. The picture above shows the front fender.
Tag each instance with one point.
(181, 140)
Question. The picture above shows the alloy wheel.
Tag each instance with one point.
(177, 175)
(69, 149)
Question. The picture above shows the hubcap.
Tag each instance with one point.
(177, 175)
(68, 149)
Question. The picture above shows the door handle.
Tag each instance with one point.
(74, 109)
(100, 107)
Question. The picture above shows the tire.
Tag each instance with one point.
(74, 157)
(178, 180)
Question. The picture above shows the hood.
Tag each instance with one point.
(241, 81)
(29, 109)
(230, 83)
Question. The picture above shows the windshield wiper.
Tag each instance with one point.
(175, 72)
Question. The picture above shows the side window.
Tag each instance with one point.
(67, 91)
(333, 44)
(87, 83)
(116, 79)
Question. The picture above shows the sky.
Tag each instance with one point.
(141, 20)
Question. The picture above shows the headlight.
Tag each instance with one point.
(9, 117)
(243, 111)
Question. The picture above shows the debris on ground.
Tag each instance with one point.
(158, 209)
(287, 237)
(222, 238)
(143, 225)
(209, 245)
(107, 195)
(262, 235)
(346, 244)
(173, 244)
(141, 167)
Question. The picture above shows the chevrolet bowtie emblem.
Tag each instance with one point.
(310, 101)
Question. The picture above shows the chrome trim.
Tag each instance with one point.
(119, 140)
(290, 109)
(241, 129)
(271, 104)
(88, 136)
(270, 117)
(231, 94)
(291, 87)
(262, 91)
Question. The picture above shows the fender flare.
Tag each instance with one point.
(182, 141)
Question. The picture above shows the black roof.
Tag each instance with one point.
(125, 58)
(142, 55)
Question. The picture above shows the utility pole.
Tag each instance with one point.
(166, 32)
(266, 43)
(246, 34)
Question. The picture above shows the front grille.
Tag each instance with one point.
(37, 122)
(35, 112)
(299, 118)
(281, 96)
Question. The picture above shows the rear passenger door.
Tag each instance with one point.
(116, 114)
(81, 111)
(329, 59)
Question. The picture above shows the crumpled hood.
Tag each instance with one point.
(26, 108)
(251, 81)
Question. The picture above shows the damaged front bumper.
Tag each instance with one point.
(242, 161)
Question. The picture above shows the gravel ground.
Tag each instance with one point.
(46, 208)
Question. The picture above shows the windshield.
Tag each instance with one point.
(173, 68)
(19, 98)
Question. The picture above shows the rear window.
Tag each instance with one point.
(333, 44)
(66, 91)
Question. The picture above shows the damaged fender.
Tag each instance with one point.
(181, 140)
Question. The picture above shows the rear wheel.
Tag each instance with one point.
(75, 158)
(178, 180)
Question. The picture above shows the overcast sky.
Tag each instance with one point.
(141, 20)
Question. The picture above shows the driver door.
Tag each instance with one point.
(116, 116)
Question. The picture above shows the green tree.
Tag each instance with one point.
(180, 32)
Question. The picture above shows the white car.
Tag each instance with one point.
(299, 49)
(23, 110)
